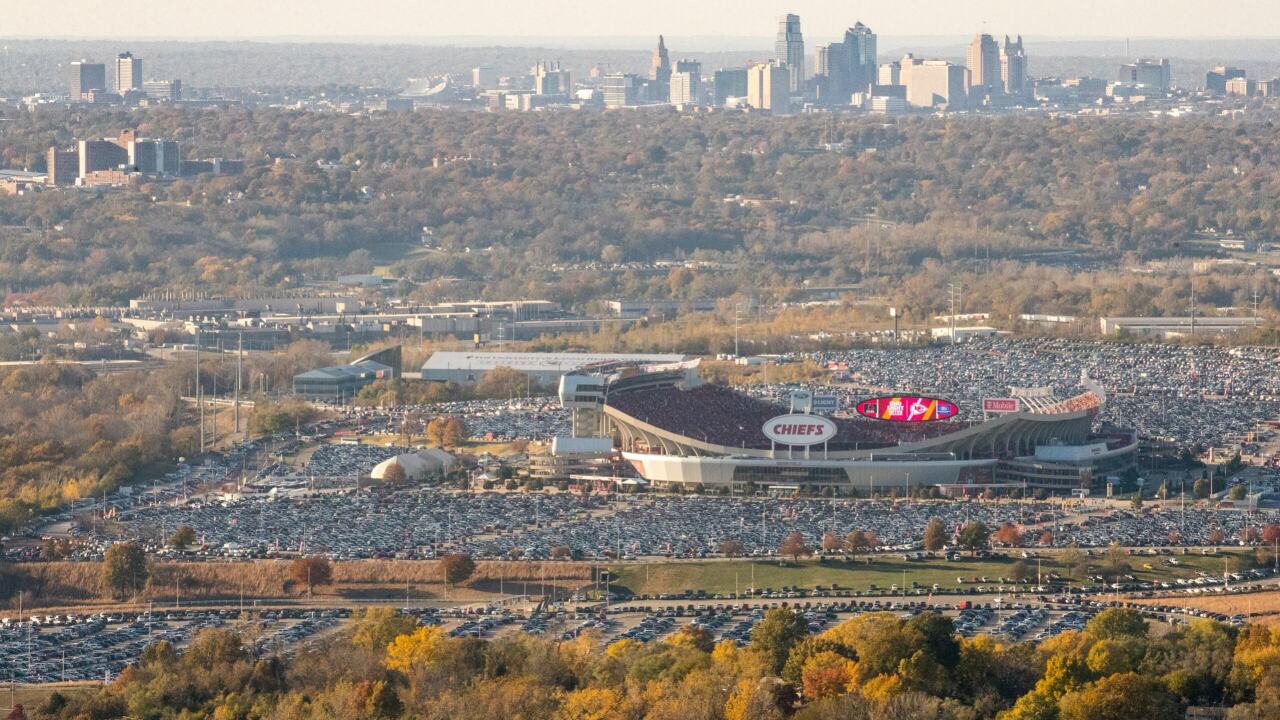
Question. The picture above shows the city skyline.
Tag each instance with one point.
(406, 20)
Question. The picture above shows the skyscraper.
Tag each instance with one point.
(789, 50)
(930, 83)
(983, 60)
(1013, 67)
(1150, 72)
(128, 73)
(861, 44)
(84, 77)
(769, 87)
(730, 83)
(847, 67)
(686, 83)
(621, 90)
(551, 79)
(660, 72)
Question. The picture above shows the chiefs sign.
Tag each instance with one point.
(799, 430)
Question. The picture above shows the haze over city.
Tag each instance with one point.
(570, 21)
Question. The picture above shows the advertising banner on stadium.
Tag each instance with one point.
(799, 430)
(997, 406)
(908, 408)
(826, 403)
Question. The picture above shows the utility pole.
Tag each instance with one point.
(956, 301)
(199, 394)
(239, 374)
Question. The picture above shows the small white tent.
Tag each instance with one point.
(418, 465)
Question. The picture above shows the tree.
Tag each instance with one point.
(1114, 623)
(935, 535)
(394, 474)
(974, 536)
(730, 547)
(1127, 696)
(857, 542)
(1116, 562)
(1075, 561)
(457, 568)
(415, 651)
(182, 537)
(1238, 492)
(311, 571)
(376, 627)
(1008, 535)
(1021, 571)
(826, 674)
(1271, 534)
(454, 433)
(795, 546)
(560, 552)
(435, 431)
(1216, 536)
(1136, 501)
(776, 634)
(830, 543)
(124, 570)
(1200, 488)
(17, 713)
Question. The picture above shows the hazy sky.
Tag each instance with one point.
(125, 19)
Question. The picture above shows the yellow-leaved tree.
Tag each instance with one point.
(414, 651)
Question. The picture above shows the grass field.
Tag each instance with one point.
(881, 571)
(31, 697)
(1262, 608)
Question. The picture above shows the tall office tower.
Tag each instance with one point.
(85, 77)
(769, 87)
(832, 73)
(63, 166)
(621, 90)
(484, 78)
(861, 48)
(1215, 81)
(128, 73)
(984, 65)
(551, 79)
(1154, 73)
(660, 72)
(930, 83)
(163, 90)
(729, 83)
(686, 83)
(788, 50)
(98, 155)
(890, 74)
(1013, 67)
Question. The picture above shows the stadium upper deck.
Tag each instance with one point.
(675, 430)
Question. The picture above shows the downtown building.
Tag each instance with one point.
(788, 51)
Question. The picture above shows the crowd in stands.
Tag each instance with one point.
(722, 416)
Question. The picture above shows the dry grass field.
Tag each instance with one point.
(72, 583)
(1262, 608)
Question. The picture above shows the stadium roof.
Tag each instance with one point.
(534, 362)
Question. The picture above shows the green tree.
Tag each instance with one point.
(935, 535)
(182, 537)
(375, 628)
(1127, 696)
(124, 570)
(974, 536)
(1075, 561)
(777, 634)
(1115, 623)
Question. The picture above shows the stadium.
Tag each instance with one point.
(679, 433)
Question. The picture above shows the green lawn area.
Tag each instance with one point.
(882, 571)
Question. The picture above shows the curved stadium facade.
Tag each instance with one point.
(677, 432)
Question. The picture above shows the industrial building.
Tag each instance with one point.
(543, 369)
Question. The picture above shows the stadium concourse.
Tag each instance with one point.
(677, 432)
